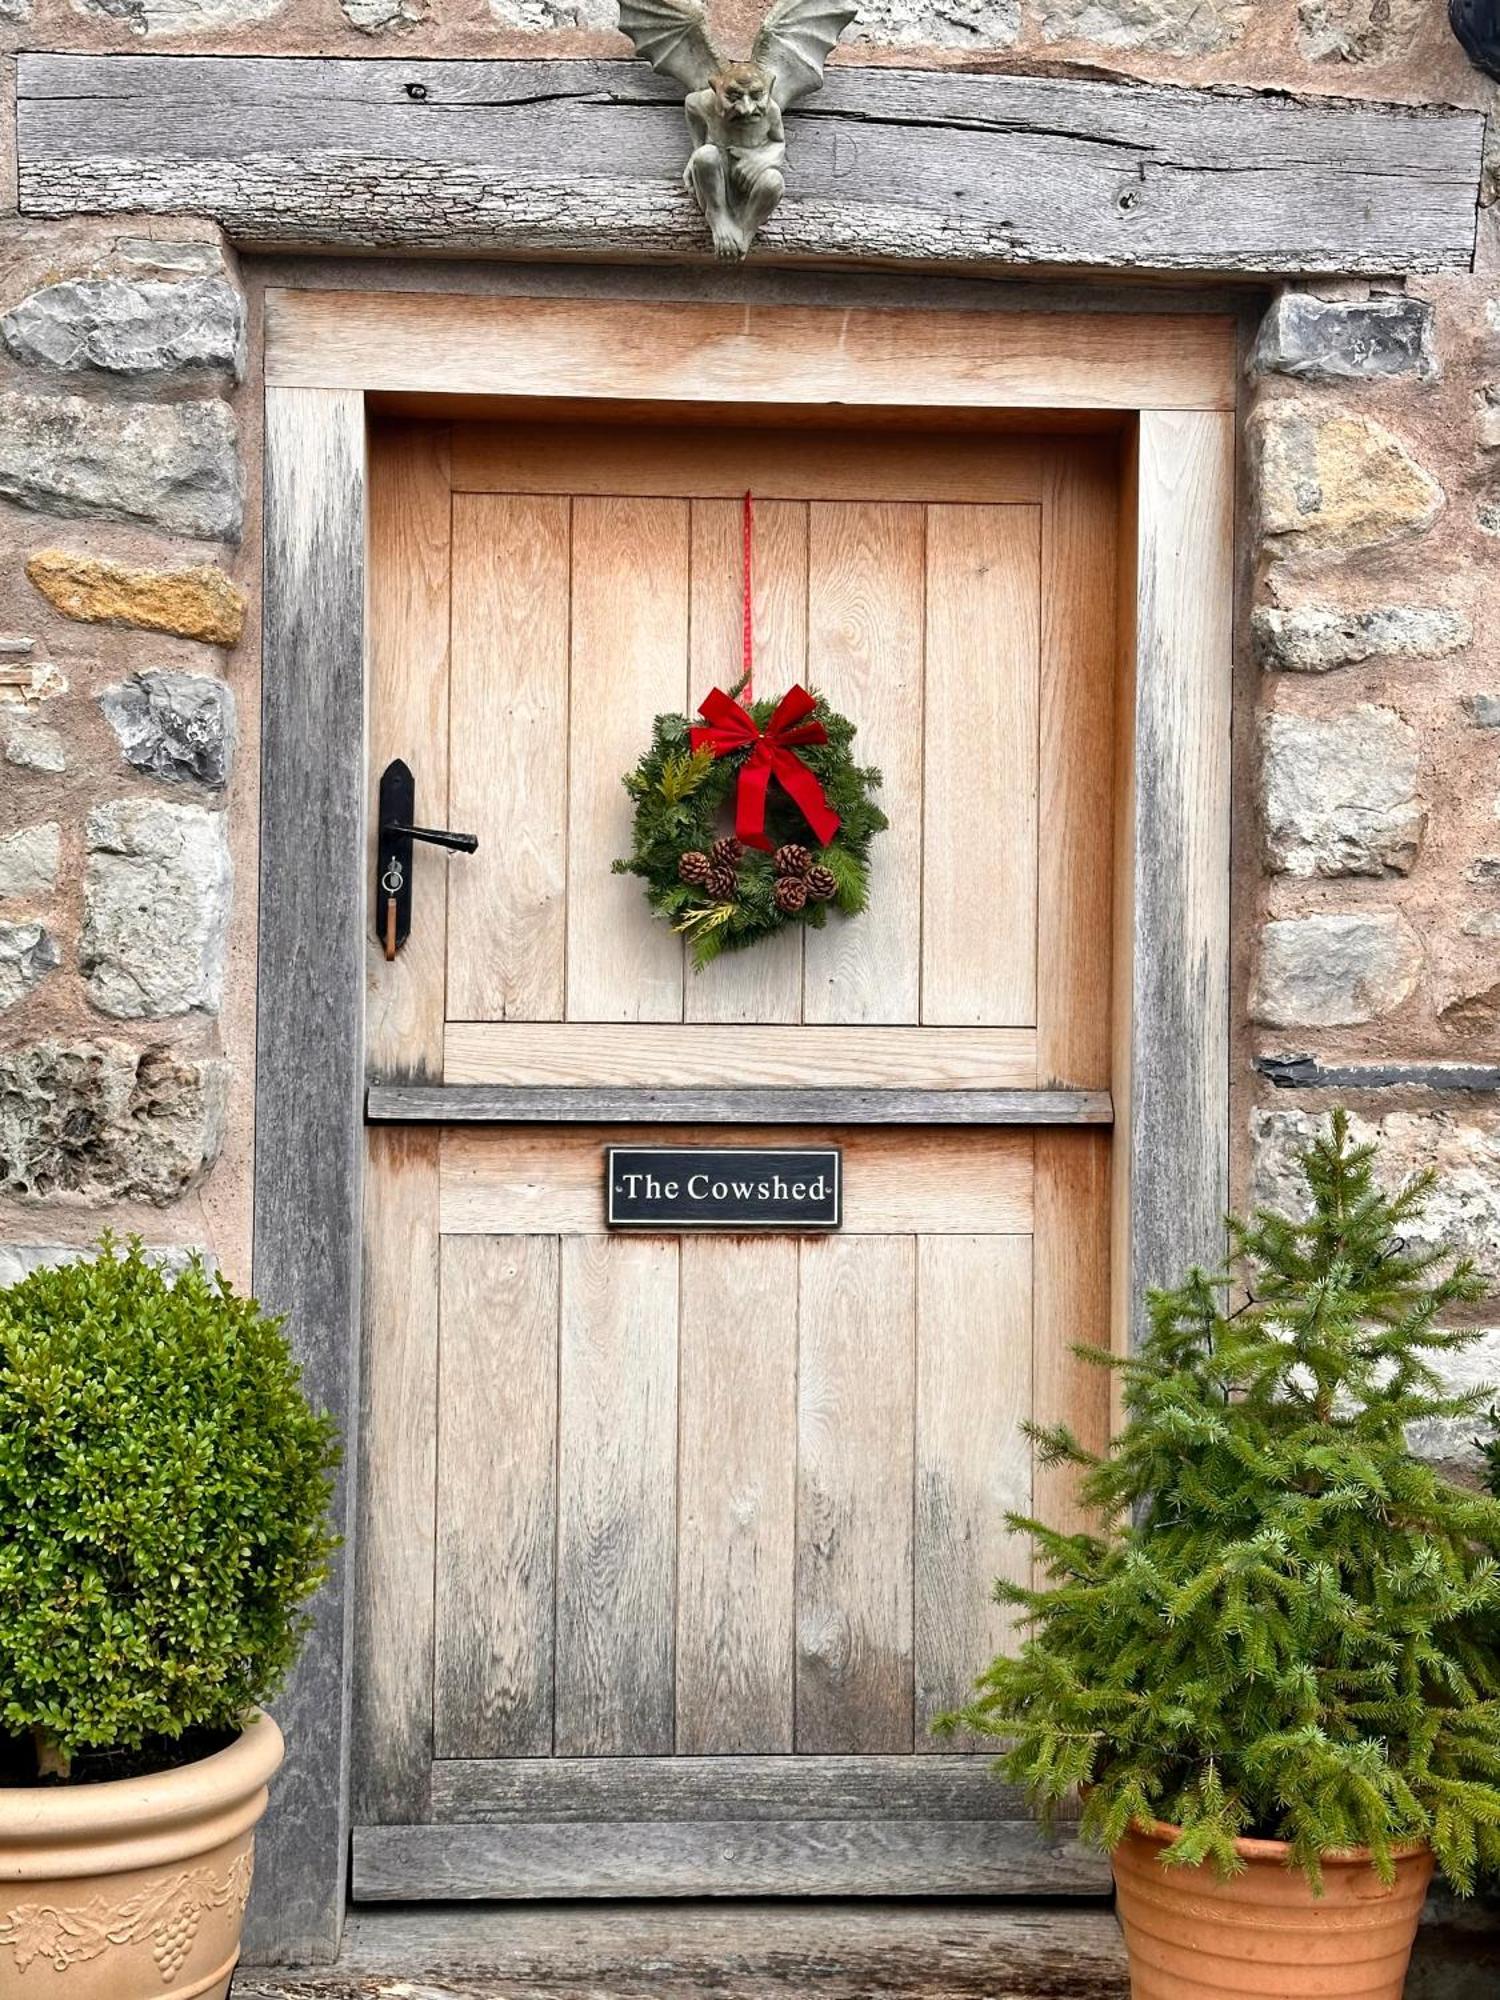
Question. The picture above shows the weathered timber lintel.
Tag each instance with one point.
(508, 1104)
(1307, 1073)
(888, 166)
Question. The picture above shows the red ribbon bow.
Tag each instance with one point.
(730, 728)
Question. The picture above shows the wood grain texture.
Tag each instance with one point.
(739, 357)
(408, 697)
(723, 461)
(617, 1502)
(586, 157)
(824, 1857)
(977, 1950)
(722, 1787)
(973, 1461)
(391, 1728)
(764, 984)
(1080, 640)
(505, 1104)
(509, 757)
(1070, 1308)
(979, 766)
(865, 591)
(855, 1398)
(629, 663)
(532, 1180)
(736, 1495)
(496, 1497)
(725, 1056)
(309, 1082)
(1179, 848)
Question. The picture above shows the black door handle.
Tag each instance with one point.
(393, 853)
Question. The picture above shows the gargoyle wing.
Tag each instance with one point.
(794, 42)
(673, 37)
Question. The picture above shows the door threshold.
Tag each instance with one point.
(843, 1950)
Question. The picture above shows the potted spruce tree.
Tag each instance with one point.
(164, 1491)
(1271, 1670)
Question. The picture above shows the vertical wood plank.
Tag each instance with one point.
(1080, 528)
(408, 611)
(509, 773)
(737, 1495)
(496, 1528)
(629, 663)
(1178, 1118)
(763, 984)
(974, 1393)
(617, 1464)
(309, 1080)
(1070, 1307)
(856, 1326)
(865, 618)
(392, 1718)
(979, 783)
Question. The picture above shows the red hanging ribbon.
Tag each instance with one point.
(747, 607)
(772, 754)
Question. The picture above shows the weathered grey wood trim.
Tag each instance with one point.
(465, 1791)
(309, 1151)
(591, 1104)
(824, 1857)
(887, 165)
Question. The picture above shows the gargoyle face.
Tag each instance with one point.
(743, 92)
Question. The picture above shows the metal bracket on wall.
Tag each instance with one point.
(393, 854)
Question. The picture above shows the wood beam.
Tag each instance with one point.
(893, 166)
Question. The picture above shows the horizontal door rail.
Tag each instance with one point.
(590, 1104)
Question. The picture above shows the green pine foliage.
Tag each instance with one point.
(685, 800)
(164, 1493)
(1489, 1448)
(1284, 1626)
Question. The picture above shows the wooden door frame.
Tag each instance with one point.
(1168, 380)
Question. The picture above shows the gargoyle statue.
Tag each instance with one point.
(734, 108)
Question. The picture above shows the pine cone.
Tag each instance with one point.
(723, 884)
(790, 893)
(822, 884)
(728, 852)
(694, 868)
(792, 860)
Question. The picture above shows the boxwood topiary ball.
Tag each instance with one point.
(164, 1492)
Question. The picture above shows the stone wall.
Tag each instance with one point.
(1367, 880)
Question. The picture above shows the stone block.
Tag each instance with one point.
(1330, 481)
(179, 727)
(1482, 710)
(141, 329)
(1329, 971)
(156, 908)
(1176, 27)
(1358, 31)
(19, 1260)
(34, 746)
(180, 17)
(28, 952)
(1338, 794)
(1353, 340)
(98, 1122)
(1315, 639)
(937, 24)
(198, 603)
(29, 860)
(173, 466)
(384, 17)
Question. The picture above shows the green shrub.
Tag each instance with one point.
(1285, 1625)
(164, 1489)
(1490, 1448)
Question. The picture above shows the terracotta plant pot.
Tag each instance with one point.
(1264, 1935)
(134, 1890)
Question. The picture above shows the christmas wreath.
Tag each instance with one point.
(803, 819)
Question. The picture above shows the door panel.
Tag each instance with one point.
(670, 1551)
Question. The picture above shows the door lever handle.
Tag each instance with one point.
(396, 831)
(461, 843)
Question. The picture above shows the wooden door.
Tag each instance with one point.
(670, 1550)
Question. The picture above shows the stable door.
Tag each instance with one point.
(672, 1547)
